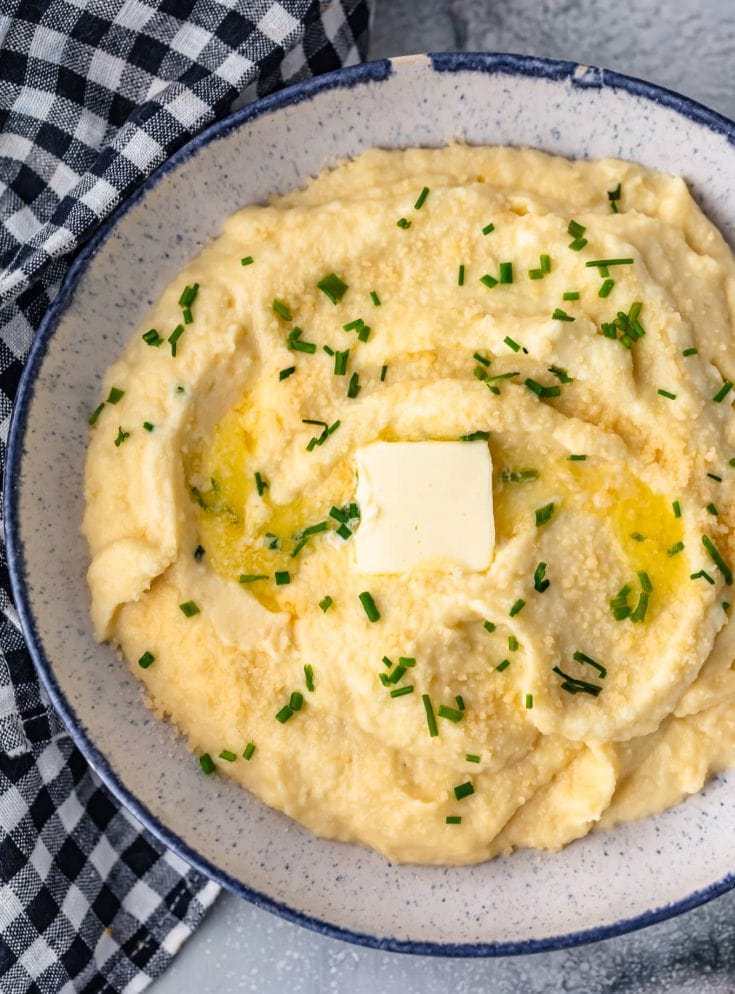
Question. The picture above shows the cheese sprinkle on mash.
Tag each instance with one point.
(575, 317)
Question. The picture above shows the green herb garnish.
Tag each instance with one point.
(145, 660)
(282, 577)
(540, 583)
(716, 558)
(451, 714)
(543, 514)
(430, 718)
(207, 763)
(281, 309)
(189, 608)
(368, 604)
(333, 287)
(464, 790)
(402, 222)
(253, 577)
(152, 338)
(121, 436)
(517, 607)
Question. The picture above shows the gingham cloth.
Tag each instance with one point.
(93, 97)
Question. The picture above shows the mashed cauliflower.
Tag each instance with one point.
(577, 315)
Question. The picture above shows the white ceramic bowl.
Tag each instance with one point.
(601, 885)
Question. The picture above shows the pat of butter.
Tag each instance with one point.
(424, 505)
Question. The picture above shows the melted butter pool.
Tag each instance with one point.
(244, 532)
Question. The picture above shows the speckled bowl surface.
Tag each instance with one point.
(601, 885)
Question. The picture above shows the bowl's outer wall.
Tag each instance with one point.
(604, 883)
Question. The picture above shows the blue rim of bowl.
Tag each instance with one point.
(485, 62)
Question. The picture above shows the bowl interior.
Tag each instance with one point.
(606, 882)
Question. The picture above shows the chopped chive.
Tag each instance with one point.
(295, 344)
(282, 577)
(152, 338)
(575, 686)
(642, 606)
(570, 295)
(189, 608)
(430, 718)
(505, 271)
(513, 644)
(421, 200)
(281, 309)
(561, 374)
(121, 436)
(207, 763)
(666, 393)
(401, 691)
(519, 475)
(716, 558)
(464, 790)
(560, 315)
(675, 549)
(488, 280)
(489, 626)
(605, 263)
(228, 755)
(723, 392)
(249, 750)
(199, 553)
(460, 276)
(363, 333)
(637, 537)
(285, 373)
(488, 228)
(369, 607)
(645, 582)
(517, 607)
(613, 195)
(284, 714)
(688, 352)
(535, 274)
(340, 362)
(92, 419)
(578, 244)
(353, 387)
(529, 702)
(704, 575)
(483, 360)
(577, 457)
(619, 604)
(174, 337)
(338, 514)
(353, 325)
(115, 396)
(503, 666)
(712, 509)
(676, 506)
(344, 532)
(713, 476)
(375, 298)
(383, 372)
(725, 606)
(145, 660)
(261, 484)
(402, 222)
(472, 757)
(148, 426)
(545, 263)
(575, 229)
(253, 577)
(543, 514)
(580, 657)
(247, 260)
(540, 583)
(187, 315)
(333, 287)
(408, 661)
(511, 344)
(542, 391)
(453, 819)
(325, 603)
(475, 436)
(188, 295)
(451, 714)
(460, 702)
(296, 700)
(606, 288)
(398, 673)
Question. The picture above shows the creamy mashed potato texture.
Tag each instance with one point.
(575, 317)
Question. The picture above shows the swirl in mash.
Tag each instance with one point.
(606, 397)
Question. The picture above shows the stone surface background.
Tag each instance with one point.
(688, 45)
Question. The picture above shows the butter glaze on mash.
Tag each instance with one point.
(175, 516)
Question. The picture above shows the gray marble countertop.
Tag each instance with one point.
(685, 44)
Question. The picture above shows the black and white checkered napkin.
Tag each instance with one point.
(94, 96)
